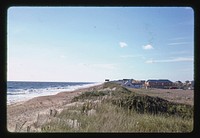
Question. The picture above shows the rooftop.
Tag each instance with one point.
(159, 80)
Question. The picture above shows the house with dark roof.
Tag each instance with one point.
(160, 83)
(127, 82)
(178, 84)
(131, 83)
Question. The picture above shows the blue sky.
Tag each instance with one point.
(95, 43)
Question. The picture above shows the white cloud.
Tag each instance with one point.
(179, 59)
(179, 43)
(147, 47)
(179, 38)
(132, 56)
(179, 52)
(128, 56)
(101, 66)
(122, 44)
(150, 61)
(104, 66)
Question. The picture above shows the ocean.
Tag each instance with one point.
(21, 91)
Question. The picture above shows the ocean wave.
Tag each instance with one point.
(16, 95)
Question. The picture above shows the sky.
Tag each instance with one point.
(91, 44)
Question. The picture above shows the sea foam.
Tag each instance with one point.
(18, 95)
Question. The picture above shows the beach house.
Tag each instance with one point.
(131, 83)
(160, 83)
(178, 84)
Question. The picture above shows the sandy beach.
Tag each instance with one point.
(26, 112)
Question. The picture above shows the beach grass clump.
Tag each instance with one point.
(90, 95)
(118, 88)
(111, 85)
(109, 89)
(112, 118)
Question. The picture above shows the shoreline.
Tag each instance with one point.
(29, 110)
(54, 93)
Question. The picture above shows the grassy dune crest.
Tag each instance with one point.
(114, 108)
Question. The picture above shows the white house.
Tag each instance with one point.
(131, 83)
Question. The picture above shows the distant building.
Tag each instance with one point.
(143, 82)
(161, 83)
(125, 80)
(131, 83)
(178, 84)
(191, 85)
(106, 80)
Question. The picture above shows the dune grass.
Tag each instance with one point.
(111, 118)
(121, 111)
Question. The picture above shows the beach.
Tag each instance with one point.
(26, 112)
(22, 115)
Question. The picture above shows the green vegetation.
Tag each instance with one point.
(153, 105)
(117, 109)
